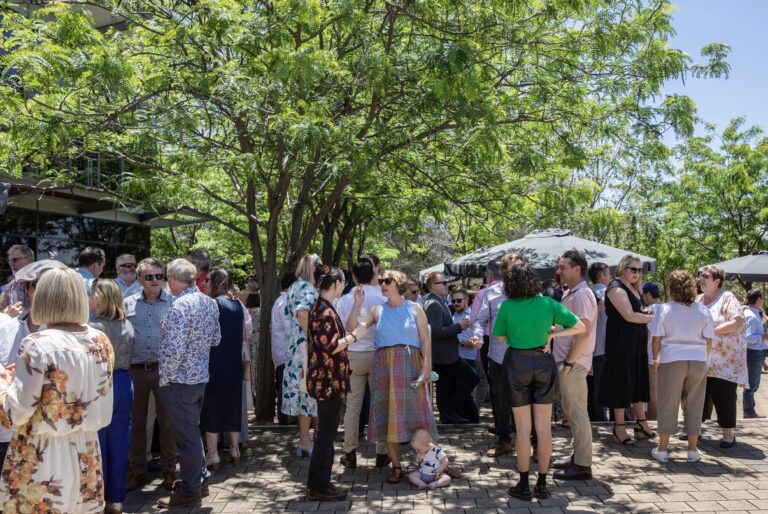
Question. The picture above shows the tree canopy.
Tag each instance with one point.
(332, 125)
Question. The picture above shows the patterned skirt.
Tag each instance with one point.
(397, 409)
(53, 474)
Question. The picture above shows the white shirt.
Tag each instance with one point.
(373, 298)
(280, 327)
(429, 463)
(12, 332)
(683, 330)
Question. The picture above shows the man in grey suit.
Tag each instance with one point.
(457, 380)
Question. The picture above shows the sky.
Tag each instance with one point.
(743, 25)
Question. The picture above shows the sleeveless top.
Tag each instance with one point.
(397, 325)
(617, 329)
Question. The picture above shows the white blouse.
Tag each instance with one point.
(683, 329)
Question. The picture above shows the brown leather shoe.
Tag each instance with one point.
(349, 460)
(177, 500)
(326, 496)
(500, 449)
(135, 480)
(205, 491)
(169, 477)
(113, 508)
(395, 475)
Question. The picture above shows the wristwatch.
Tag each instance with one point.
(568, 364)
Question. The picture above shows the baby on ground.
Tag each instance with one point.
(432, 462)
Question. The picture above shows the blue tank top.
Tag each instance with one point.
(397, 325)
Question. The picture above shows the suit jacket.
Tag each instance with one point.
(445, 343)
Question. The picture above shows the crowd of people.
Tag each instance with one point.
(89, 365)
(600, 351)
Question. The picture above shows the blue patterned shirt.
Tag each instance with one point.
(147, 320)
(191, 329)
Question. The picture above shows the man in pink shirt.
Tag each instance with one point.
(574, 358)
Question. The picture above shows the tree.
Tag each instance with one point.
(717, 208)
(271, 118)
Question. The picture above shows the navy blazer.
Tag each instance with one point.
(445, 341)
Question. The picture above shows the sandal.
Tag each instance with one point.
(639, 429)
(626, 441)
(395, 475)
(453, 473)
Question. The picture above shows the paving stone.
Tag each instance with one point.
(625, 479)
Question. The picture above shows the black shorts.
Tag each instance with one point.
(531, 376)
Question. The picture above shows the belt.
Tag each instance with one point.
(146, 366)
(538, 349)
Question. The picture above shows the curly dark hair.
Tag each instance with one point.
(521, 282)
(682, 287)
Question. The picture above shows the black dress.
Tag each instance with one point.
(222, 404)
(625, 373)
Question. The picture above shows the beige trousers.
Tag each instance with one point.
(360, 364)
(684, 381)
(573, 397)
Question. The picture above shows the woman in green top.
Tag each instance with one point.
(525, 322)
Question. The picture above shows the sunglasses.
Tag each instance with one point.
(705, 275)
(458, 300)
(14, 260)
(635, 270)
(128, 265)
(444, 282)
(157, 276)
(388, 281)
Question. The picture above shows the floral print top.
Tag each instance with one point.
(63, 384)
(328, 375)
(59, 397)
(728, 358)
(191, 329)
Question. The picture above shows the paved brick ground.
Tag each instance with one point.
(626, 479)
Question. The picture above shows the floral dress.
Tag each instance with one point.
(728, 358)
(301, 296)
(59, 398)
(328, 373)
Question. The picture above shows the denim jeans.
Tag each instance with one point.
(755, 360)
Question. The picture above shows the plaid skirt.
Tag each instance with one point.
(397, 409)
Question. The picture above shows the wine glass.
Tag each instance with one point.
(364, 316)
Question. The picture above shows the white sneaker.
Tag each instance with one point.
(659, 455)
(694, 455)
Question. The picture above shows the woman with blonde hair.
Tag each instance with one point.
(302, 295)
(727, 362)
(106, 303)
(56, 398)
(625, 378)
(681, 339)
(401, 371)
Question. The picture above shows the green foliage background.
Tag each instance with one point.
(419, 130)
